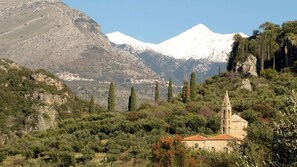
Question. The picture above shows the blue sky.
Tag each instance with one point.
(158, 20)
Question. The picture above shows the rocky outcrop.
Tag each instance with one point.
(248, 67)
(246, 84)
(49, 99)
(47, 80)
(47, 113)
(46, 117)
(6, 65)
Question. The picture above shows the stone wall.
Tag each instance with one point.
(211, 145)
(238, 127)
(238, 130)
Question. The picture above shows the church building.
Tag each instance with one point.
(233, 131)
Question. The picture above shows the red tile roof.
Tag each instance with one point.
(218, 137)
(195, 138)
(222, 137)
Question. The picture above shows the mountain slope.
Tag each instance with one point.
(198, 49)
(48, 34)
(176, 69)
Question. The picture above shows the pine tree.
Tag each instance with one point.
(132, 100)
(193, 86)
(111, 97)
(92, 105)
(185, 92)
(157, 92)
(170, 95)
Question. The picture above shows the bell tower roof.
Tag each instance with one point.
(226, 101)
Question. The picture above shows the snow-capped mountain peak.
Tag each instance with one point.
(200, 28)
(199, 42)
(120, 38)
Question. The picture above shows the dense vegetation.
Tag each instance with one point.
(274, 46)
(24, 98)
(126, 138)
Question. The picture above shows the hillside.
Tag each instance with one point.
(48, 34)
(33, 100)
(274, 46)
(125, 139)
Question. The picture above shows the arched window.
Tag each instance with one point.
(224, 130)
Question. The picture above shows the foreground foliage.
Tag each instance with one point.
(130, 138)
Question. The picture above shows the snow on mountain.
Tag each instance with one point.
(196, 43)
(120, 38)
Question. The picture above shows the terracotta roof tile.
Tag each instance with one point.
(223, 137)
(195, 138)
(218, 137)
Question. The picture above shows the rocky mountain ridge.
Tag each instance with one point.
(176, 69)
(45, 33)
(48, 34)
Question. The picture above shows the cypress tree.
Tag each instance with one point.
(219, 70)
(170, 95)
(157, 92)
(111, 97)
(185, 92)
(92, 105)
(193, 86)
(132, 100)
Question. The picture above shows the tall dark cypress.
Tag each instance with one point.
(185, 92)
(219, 70)
(193, 86)
(157, 92)
(92, 105)
(111, 97)
(170, 95)
(132, 100)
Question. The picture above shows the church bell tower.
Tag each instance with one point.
(226, 115)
